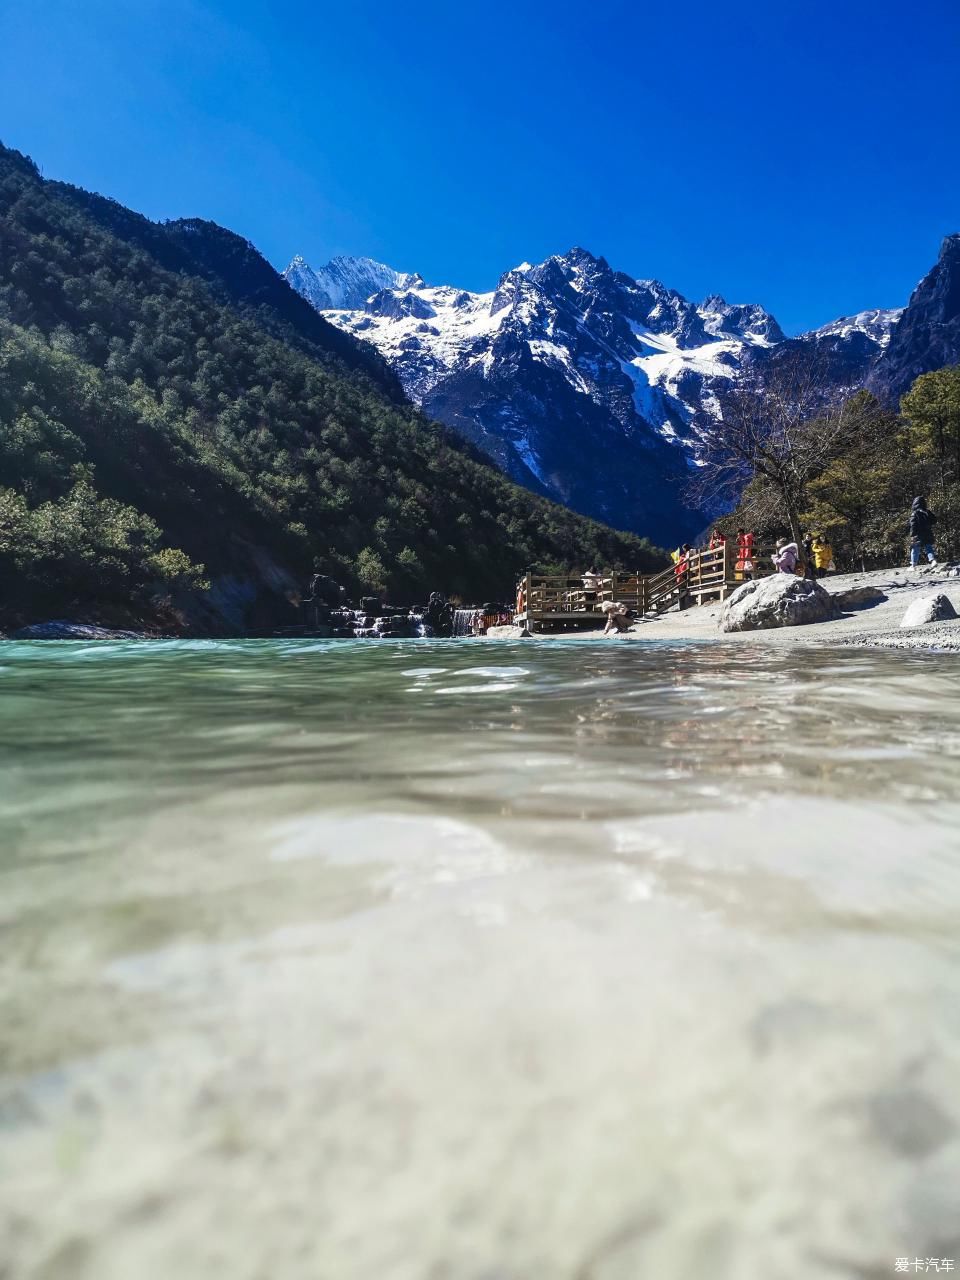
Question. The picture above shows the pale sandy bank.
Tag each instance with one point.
(877, 626)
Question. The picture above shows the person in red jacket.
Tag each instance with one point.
(744, 565)
(681, 566)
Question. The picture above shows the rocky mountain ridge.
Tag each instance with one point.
(927, 335)
(569, 367)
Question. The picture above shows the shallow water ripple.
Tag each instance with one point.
(459, 960)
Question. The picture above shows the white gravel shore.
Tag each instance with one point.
(877, 626)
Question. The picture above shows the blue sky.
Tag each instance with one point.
(801, 154)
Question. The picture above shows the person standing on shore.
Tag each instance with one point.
(922, 521)
(744, 565)
(681, 564)
(809, 555)
(786, 556)
(592, 582)
(822, 556)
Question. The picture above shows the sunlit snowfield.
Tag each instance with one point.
(477, 961)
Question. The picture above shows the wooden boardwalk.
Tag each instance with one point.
(547, 603)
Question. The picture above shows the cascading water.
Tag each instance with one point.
(463, 622)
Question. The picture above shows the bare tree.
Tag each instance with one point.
(780, 421)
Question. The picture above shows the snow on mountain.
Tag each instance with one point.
(676, 386)
(667, 347)
(563, 365)
(876, 324)
(344, 282)
(580, 381)
(749, 321)
(423, 331)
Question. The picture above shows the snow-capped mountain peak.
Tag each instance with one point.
(579, 380)
(345, 283)
(742, 320)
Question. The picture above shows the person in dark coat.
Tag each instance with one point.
(808, 556)
(921, 533)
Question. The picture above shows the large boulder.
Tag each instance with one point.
(934, 608)
(782, 600)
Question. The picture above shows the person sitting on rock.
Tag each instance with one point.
(786, 556)
(921, 533)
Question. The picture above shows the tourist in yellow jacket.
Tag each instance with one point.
(822, 556)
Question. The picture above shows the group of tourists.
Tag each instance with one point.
(743, 565)
(489, 615)
(817, 555)
(812, 556)
(816, 560)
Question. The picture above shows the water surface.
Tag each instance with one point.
(431, 960)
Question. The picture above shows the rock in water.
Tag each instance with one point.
(935, 608)
(507, 632)
(781, 600)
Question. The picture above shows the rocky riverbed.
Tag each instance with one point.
(329, 960)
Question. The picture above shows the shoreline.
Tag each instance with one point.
(874, 626)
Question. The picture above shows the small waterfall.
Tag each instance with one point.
(463, 622)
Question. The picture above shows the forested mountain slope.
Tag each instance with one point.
(166, 403)
(237, 274)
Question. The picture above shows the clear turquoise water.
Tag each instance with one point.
(464, 959)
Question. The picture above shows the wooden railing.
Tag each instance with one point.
(567, 595)
(701, 577)
(631, 589)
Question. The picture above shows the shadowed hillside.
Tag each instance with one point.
(172, 413)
